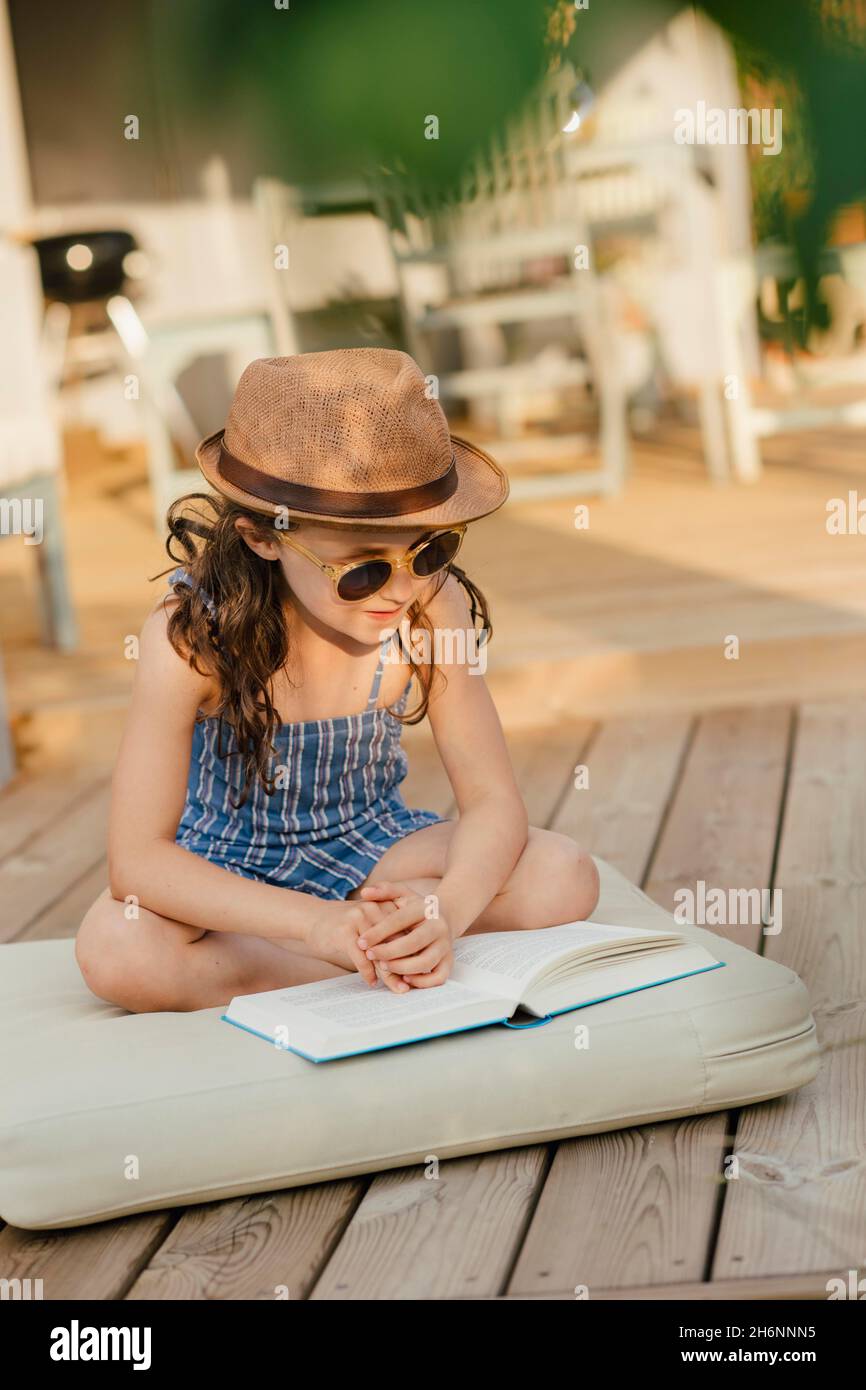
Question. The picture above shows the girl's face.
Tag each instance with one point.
(369, 619)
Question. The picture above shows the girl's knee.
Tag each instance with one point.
(125, 959)
(92, 946)
(566, 879)
(587, 884)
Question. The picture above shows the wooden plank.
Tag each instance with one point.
(252, 1247)
(797, 1287)
(630, 1207)
(800, 1201)
(63, 918)
(71, 740)
(544, 759)
(541, 756)
(36, 802)
(630, 683)
(93, 1262)
(725, 814)
(632, 766)
(639, 1206)
(415, 1236)
(38, 876)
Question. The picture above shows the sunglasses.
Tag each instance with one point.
(360, 579)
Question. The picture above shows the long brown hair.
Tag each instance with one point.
(243, 643)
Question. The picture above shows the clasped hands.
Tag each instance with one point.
(387, 934)
(408, 948)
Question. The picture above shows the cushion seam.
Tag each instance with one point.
(761, 1047)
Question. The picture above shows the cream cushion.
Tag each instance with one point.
(211, 1112)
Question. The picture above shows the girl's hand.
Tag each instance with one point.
(332, 935)
(418, 947)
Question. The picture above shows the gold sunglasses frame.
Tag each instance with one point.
(335, 572)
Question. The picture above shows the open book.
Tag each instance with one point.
(544, 972)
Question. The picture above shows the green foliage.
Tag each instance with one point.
(781, 182)
(331, 88)
(819, 62)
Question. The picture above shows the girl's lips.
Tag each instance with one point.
(383, 612)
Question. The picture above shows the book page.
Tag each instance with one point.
(514, 958)
(618, 978)
(350, 1003)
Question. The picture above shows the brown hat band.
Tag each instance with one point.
(331, 503)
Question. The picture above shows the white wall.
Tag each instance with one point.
(14, 178)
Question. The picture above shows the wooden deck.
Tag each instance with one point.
(756, 790)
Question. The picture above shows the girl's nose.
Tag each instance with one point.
(400, 587)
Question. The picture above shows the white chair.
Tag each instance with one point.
(279, 211)
(177, 410)
(326, 254)
(540, 192)
(739, 283)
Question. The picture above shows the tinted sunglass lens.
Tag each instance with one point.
(364, 580)
(436, 554)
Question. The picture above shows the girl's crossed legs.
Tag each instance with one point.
(153, 964)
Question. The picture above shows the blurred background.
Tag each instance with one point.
(656, 327)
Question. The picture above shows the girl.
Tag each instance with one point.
(258, 837)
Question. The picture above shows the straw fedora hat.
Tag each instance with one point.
(349, 437)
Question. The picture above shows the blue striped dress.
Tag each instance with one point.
(337, 805)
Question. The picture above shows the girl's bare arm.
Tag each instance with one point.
(148, 793)
(493, 826)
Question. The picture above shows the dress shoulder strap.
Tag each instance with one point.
(377, 679)
(182, 576)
